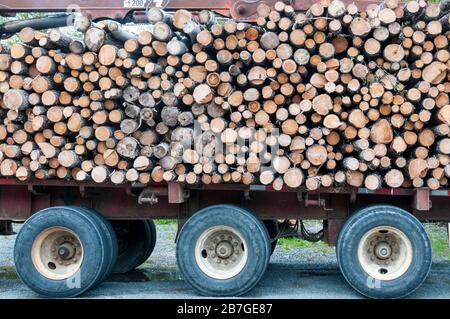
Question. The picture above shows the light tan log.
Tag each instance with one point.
(293, 177)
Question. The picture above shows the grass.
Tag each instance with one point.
(165, 221)
(439, 240)
(440, 248)
(295, 242)
(8, 273)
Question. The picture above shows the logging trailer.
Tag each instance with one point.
(68, 243)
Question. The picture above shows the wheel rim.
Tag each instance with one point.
(57, 253)
(385, 253)
(221, 252)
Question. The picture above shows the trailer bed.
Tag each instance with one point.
(18, 200)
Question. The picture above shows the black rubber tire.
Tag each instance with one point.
(251, 228)
(273, 245)
(110, 237)
(151, 243)
(272, 228)
(383, 215)
(137, 239)
(92, 237)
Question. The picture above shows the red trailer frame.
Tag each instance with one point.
(18, 200)
(119, 9)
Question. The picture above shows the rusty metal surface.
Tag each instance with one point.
(331, 230)
(238, 9)
(246, 9)
(175, 193)
(15, 202)
(104, 8)
(229, 187)
(19, 200)
(421, 200)
(439, 210)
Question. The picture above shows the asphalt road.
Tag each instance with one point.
(294, 273)
(281, 281)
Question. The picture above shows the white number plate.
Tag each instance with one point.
(133, 3)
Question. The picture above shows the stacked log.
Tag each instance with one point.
(335, 96)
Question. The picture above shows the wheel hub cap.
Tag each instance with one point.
(383, 250)
(57, 253)
(224, 249)
(221, 252)
(385, 253)
(66, 251)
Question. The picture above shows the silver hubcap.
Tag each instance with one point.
(224, 249)
(221, 252)
(385, 253)
(383, 250)
(57, 253)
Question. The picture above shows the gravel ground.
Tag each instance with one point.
(164, 254)
(7, 249)
(292, 273)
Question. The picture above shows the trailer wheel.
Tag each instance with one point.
(223, 250)
(110, 237)
(61, 252)
(151, 242)
(273, 245)
(384, 252)
(272, 228)
(136, 240)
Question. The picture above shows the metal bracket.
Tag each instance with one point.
(82, 191)
(147, 197)
(176, 193)
(320, 202)
(421, 201)
(34, 191)
(323, 204)
(353, 197)
(187, 193)
(300, 197)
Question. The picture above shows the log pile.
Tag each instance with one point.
(335, 96)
